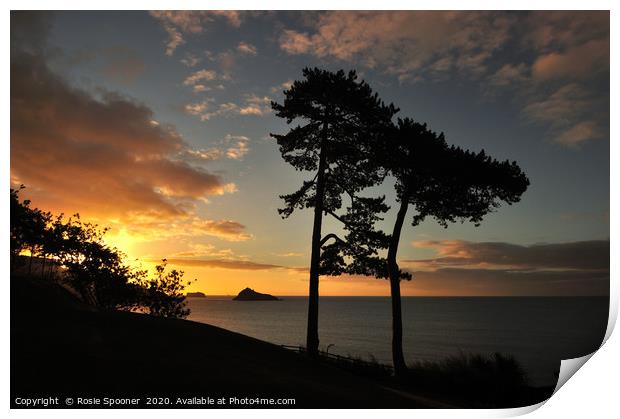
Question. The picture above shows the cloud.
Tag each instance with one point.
(252, 105)
(198, 108)
(502, 282)
(234, 147)
(498, 268)
(584, 255)
(239, 148)
(295, 42)
(223, 109)
(103, 155)
(431, 44)
(532, 53)
(190, 226)
(256, 105)
(198, 80)
(290, 254)
(567, 102)
(244, 265)
(567, 56)
(177, 23)
(63, 139)
(174, 39)
(190, 60)
(203, 249)
(246, 48)
(200, 75)
(205, 154)
(405, 42)
(199, 88)
(29, 30)
(283, 86)
(548, 30)
(510, 74)
(568, 111)
(577, 62)
(580, 133)
(225, 229)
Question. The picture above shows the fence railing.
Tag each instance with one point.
(336, 357)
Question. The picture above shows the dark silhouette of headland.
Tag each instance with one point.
(197, 294)
(248, 294)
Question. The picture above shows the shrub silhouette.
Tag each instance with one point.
(75, 253)
(494, 380)
(162, 295)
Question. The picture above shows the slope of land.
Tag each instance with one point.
(61, 347)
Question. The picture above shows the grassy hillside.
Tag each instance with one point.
(61, 347)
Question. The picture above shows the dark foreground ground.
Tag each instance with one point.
(62, 348)
(68, 355)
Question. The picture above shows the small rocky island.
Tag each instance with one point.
(249, 294)
(196, 295)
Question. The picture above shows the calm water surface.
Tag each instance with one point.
(538, 331)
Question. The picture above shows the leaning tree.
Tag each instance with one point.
(444, 182)
(338, 119)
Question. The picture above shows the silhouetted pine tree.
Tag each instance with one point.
(341, 118)
(445, 183)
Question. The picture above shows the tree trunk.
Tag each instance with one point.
(312, 338)
(43, 266)
(400, 368)
(30, 262)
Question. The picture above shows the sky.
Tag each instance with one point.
(157, 125)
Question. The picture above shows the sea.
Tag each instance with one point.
(538, 331)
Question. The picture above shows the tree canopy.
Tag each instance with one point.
(338, 120)
(440, 181)
(446, 182)
(343, 117)
(74, 252)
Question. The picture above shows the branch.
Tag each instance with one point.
(337, 217)
(347, 191)
(331, 236)
(349, 224)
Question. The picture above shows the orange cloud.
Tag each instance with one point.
(580, 133)
(246, 48)
(103, 155)
(545, 30)
(403, 42)
(200, 75)
(226, 229)
(581, 61)
(147, 227)
(569, 47)
(203, 249)
(569, 112)
(243, 265)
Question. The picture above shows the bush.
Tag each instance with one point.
(489, 380)
(163, 294)
(75, 253)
